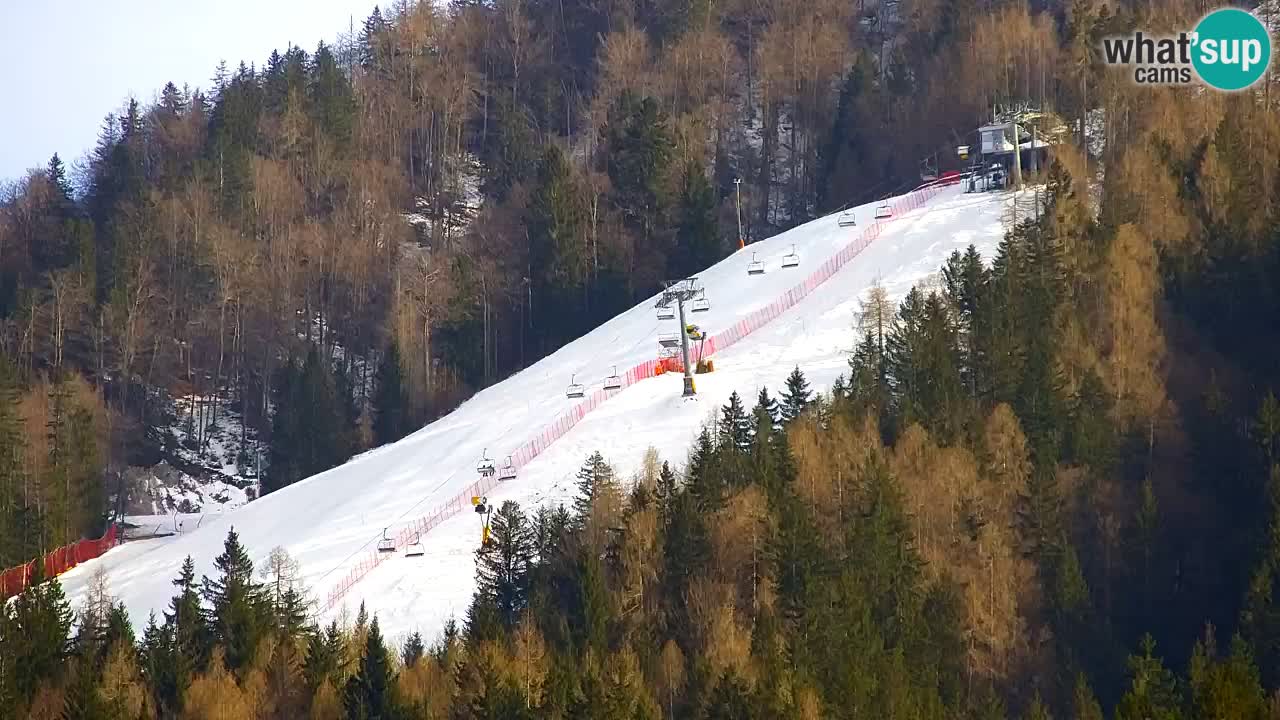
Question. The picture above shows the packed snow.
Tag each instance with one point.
(333, 518)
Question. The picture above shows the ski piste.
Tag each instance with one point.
(759, 326)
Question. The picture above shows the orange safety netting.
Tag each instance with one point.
(15, 579)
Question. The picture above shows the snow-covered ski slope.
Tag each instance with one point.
(331, 522)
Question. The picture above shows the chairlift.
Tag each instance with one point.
(791, 259)
(701, 303)
(386, 544)
(756, 267)
(666, 312)
(485, 466)
(414, 549)
(575, 389)
(962, 151)
(929, 168)
(669, 339)
(613, 382)
(883, 211)
(508, 471)
(848, 218)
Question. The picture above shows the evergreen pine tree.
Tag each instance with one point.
(159, 666)
(284, 451)
(83, 701)
(362, 618)
(796, 397)
(665, 493)
(370, 694)
(730, 700)
(686, 554)
(237, 612)
(58, 177)
(187, 641)
(904, 348)
(839, 389)
(311, 429)
(325, 440)
(503, 573)
(941, 394)
(1153, 691)
(705, 476)
(733, 430)
(697, 237)
(324, 661)
(883, 557)
(371, 38)
(39, 628)
(333, 103)
(965, 287)
(390, 401)
(1084, 705)
(843, 158)
(1038, 710)
(558, 260)
(868, 387)
(593, 603)
(764, 402)
(1260, 616)
(796, 555)
(413, 650)
(764, 443)
(587, 480)
(118, 629)
(638, 150)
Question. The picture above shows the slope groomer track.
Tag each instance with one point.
(759, 327)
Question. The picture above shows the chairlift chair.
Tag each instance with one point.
(883, 211)
(508, 471)
(386, 544)
(414, 549)
(669, 339)
(613, 382)
(701, 303)
(575, 389)
(755, 267)
(666, 313)
(791, 259)
(485, 466)
(848, 218)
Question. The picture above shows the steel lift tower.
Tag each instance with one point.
(679, 292)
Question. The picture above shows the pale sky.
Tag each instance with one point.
(65, 64)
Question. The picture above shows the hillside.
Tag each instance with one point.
(333, 520)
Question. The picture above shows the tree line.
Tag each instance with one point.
(466, 188)
(987, 517)
(791, 570)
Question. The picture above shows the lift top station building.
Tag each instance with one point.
(1016, 139)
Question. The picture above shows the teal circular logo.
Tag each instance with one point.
(1232, 49)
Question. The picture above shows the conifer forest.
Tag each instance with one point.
(1046, 486)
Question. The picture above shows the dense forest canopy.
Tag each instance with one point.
(1048, 486)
